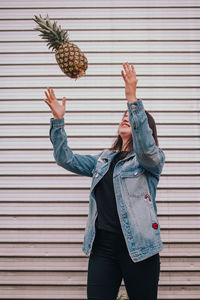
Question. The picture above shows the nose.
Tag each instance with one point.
(125, 120)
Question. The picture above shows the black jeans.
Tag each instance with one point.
(110, 261)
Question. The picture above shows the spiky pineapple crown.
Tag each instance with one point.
(51, 33)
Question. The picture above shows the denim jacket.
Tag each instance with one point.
(135, 179)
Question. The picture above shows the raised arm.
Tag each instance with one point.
(149, 155)
(64, 156)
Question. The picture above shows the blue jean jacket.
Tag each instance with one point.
(135, 179)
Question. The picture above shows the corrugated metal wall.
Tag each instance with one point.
(43, 208)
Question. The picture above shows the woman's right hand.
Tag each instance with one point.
(58, 110)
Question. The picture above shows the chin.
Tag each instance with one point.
(125, 133)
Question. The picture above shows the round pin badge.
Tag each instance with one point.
(155, 225)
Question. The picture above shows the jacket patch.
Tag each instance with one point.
(147, 197)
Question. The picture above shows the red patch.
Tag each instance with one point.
(155, 225)
(147, 197)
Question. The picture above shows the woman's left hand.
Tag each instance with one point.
(130, 82)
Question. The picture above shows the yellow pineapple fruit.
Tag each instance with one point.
(69, 57)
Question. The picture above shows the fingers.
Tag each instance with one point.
(127, 67)
(129, 70)
(133, 69)
(123, 75)
(47, 95)
(64, 101)
(47, 103)
(52, 92)
(51, 96)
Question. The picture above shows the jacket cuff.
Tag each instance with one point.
(57, 122)
(136, 105)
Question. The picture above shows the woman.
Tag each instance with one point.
(122, 235)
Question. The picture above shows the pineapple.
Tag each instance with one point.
(69, 57)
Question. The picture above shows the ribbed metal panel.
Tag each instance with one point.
(43, 207)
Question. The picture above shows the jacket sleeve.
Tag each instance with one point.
(149, 155)
(64, 156)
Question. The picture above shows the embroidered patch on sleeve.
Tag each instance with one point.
(147, 197)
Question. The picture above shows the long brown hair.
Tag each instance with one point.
(117, 144)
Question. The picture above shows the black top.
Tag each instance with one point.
(107, 217)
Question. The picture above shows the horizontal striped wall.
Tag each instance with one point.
(44, 208)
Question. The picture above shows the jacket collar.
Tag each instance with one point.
(108, 155)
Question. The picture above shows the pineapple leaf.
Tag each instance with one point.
(51, 32)
(54, 25)
(65, 35)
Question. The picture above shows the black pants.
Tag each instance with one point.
(110, 261)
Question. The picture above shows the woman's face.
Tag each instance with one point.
(124, 126)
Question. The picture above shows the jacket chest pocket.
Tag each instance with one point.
(134, 182)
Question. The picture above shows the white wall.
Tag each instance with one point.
(43, 208)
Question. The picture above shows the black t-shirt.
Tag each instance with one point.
(107, 217)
